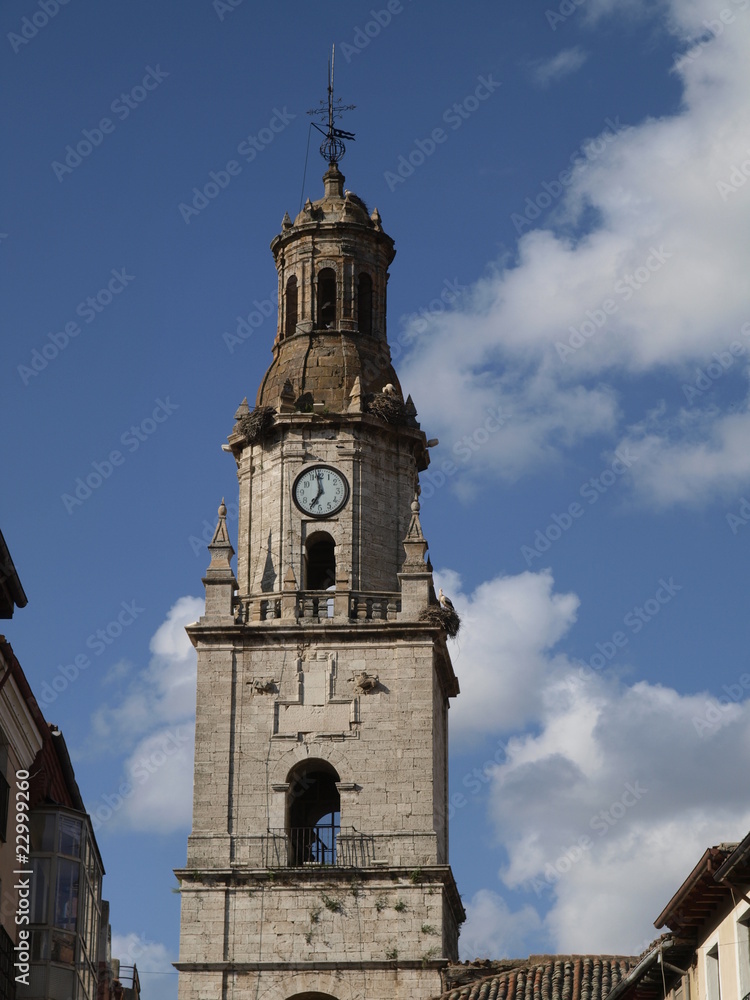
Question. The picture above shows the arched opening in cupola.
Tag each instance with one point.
(364, 303)
(290, 307)
(326, 299)
(313, 813)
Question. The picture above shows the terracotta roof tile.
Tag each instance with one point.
(541, 977)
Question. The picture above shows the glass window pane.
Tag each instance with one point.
(70, 837)
(92, 929)
(63, 947)
(60, 984)
(39, 890)
(66, 894)
(37, 983)
(39, 946)
(42, 829)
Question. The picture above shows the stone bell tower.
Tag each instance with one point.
(317, 865)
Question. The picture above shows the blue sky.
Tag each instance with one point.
(567, 188)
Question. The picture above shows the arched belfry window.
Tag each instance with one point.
(320, 561)
(313, 813)
(290, 319)
(364, 303)
(326, 299)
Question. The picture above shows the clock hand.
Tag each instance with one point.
(319, 494)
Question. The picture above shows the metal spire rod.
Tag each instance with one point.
(332, 148)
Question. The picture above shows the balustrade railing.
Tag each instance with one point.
(319, 606)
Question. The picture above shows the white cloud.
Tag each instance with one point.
(491, 930)
(657, 284)
(556, 68)
(154, 726)
(605, 791)
(502, 655)
(154, 962)
(163, 692)
(160, 770)
(692, 458)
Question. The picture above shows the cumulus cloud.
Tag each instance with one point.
(692, 457)
(160, 772)
(154, 724)
(655, 285)
(492, 930)
(154, 962)
(164, 691)
(503, 657)
(547, 71)
(604, 790)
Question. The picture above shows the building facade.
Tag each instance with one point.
(317, 864)
(59, 903)
(704, 952)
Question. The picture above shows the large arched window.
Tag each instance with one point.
(313, 813)
(326, 299)
(290, 319)
(320, 561)
(364, 303)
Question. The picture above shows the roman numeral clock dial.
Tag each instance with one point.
(320, 491)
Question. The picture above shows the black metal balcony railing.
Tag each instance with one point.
(319, 845)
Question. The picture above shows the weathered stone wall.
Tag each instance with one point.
(329, 920)
(387, 745)
(386, 983)
(369, 532)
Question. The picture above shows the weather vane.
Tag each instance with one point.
(332, 148)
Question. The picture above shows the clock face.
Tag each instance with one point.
(320, 491)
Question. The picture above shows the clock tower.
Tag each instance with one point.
(317, 865)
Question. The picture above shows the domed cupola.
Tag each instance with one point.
(333, 273)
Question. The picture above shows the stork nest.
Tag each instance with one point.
(389, 408)
(445, 618)
(256, 425)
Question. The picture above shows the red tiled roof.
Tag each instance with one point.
(541, 977)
